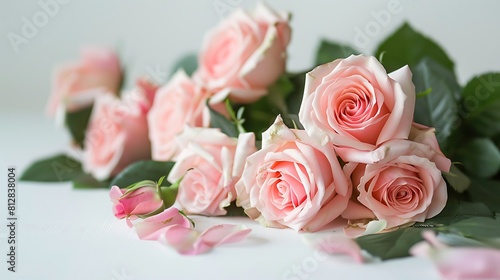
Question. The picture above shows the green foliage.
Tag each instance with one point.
(437, 109)
(77, 124)
(142, 170)
(481, 105)
(329, 51)
(59, 168)
(408, 47)
(480, 157)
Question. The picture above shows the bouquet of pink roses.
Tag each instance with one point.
(365, 141)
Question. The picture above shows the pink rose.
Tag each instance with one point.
(459, 263)
(117, 134)
(354, 103)
(76, 84)
(180, 102)
(209, 164)
(244, 54)
(401, 185)
(139, 199)
(152, 227)
(293, 181)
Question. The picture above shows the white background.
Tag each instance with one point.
(71, 234)
(152, 33)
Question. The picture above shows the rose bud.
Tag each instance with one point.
(142, 199)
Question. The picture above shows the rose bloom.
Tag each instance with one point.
(75, 85)
(354, 103)
(400, 184)
(180, 102)
(293, 181)
(117, 134)
(141, 199)
(209, 164)
(244, 54)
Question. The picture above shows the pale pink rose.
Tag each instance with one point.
(458, 263)
(244, 54)
(117, 134)
(354, 103)
(75, 85)
(180, 102)
(209, 164)
(293, 181)
(152, 227)
(140, 199)
(402, 185)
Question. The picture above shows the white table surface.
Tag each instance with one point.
(65, 233)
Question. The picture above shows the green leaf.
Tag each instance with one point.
(329, 51)
(235, 211)
(86, 181)
(294, 98)
(262, 113)
(391, 245)
(219, 121)
(457, 209)
(481, 104)
(77, 124)
(58, 168)
(439, 108)
(188, 62)
(481, 227)
(457, 179)
(168, 195)
(487, 192)
(142, 170)
(480, 157)
(407, 46)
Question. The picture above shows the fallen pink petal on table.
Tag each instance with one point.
(188, 241)
(459, 262)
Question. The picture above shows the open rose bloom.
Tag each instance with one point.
(354, 103)
(293, 181)
(209, 164)
(245, 54)
(180, 102)
(77, 84)
(117, 134)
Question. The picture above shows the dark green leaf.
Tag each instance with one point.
(480, 157)
(457, 209)
(188, 62)
(262, 113)
(407, 46)
(439, 108)
(294, 99)
(478, 227)
(329, 51)
(487, 192)
(142, 170)
(77, 124)
(481, 104)
(391, 245)
(86, 181)
(235, 211)
(58, 168)
(219, 121)
(457, 179)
